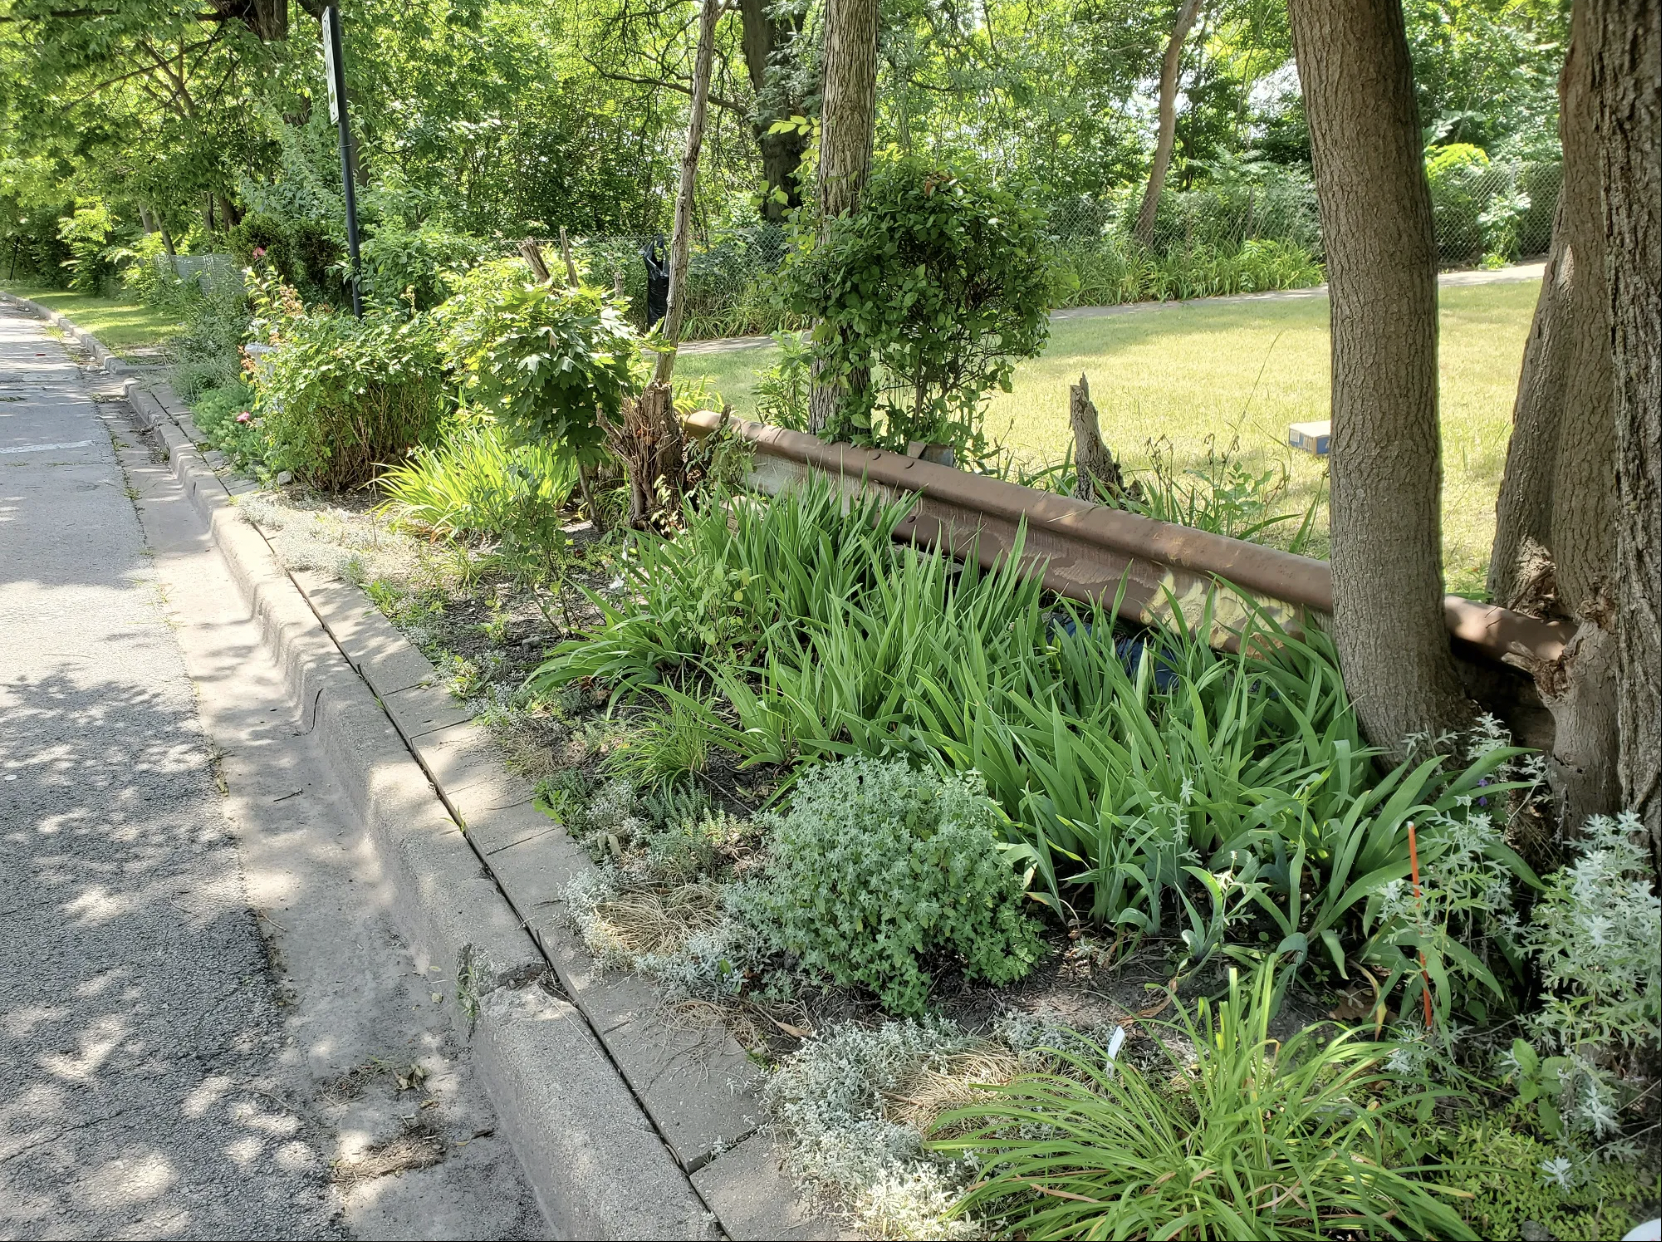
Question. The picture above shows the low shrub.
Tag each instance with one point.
(828, 1101)
(473, 482)
(225, 415)
(341, 397)
(549, 362)
(1512, 1176)
(1596, 933)
(878, 873)
(1258, 1138)
(923, 302)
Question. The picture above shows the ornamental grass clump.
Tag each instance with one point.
(1257, 1138)
(879, 874)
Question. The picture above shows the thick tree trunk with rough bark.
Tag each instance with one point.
(1627, 84)
(1167, 134)
(848, 118)
(1386, 460)
(765, 31)
(1555, 521)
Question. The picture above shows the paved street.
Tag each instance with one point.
(208, 1027)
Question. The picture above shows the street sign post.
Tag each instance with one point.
(343, 126)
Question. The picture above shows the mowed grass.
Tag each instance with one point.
(1202, 375)
(121, 323)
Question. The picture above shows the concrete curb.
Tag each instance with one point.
(628, 1126)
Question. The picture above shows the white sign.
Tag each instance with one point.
(329, 61)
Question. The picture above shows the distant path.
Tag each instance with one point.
(1499, 275)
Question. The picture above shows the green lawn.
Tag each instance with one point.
(122, 324)
(1247, 369)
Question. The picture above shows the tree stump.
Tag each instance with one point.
(650, 445)
(1099, 473)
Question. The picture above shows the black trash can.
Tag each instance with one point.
(657, 280)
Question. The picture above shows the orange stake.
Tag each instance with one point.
(1414, 873)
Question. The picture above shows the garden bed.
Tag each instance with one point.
(673, 818)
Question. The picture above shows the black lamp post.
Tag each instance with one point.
(337, 113)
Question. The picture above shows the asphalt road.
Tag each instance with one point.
(208, 1027)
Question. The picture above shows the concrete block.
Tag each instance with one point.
(390, 669)
(486, 791)
(458, 756)
(536, 872)
(505, 828)
(422, 709)
(372, 643)
(696, 1082)
(573, 1123)
(749, 1190)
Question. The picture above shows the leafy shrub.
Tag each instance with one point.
(548, 361)
(226, 417)
(87, 234)
(341, 396)
(935, 288)
(782, 390)
(301, 251)
(472, 482)
(1513, 1177)
(405, 266)
(1261, 1138)
(1597, 936)
(878, 871)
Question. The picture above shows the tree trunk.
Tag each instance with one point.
(848, 118)
(1386, 463)
(680, 242)
(1168, 120)
(765, 31)
(1555, 538)
(1627, 84)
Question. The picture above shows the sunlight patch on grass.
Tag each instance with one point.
(1189, 371)
(121, 323)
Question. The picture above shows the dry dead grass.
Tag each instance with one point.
(961, 1080)
(418, 1146)
(652, 920)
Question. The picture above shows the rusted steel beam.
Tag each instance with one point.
(1090, 552)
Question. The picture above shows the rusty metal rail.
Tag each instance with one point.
(1090, 552)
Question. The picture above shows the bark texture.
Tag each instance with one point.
(1555, 533)
(1099, 475)
(680, 242)
(1386, 463)
(1167, 135)
(653, 451)
(848, 117)
(1627, 84)
(765, 31)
